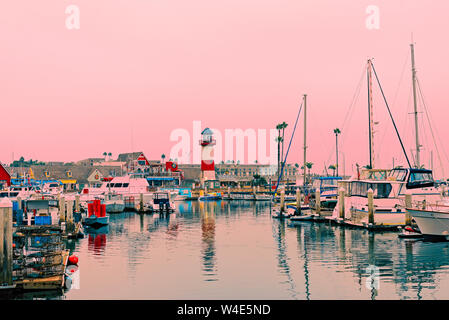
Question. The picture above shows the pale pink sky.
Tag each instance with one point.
(155, 66)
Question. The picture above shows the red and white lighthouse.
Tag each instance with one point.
(207, 143)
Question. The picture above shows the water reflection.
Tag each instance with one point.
(136, 256)
(208, 240)
(97, 239)
(279, 236)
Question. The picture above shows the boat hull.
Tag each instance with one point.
(431, 223)
(115, 207)
(94, 221)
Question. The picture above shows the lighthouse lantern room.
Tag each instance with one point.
(207, 143)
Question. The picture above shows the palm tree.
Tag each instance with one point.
(283, 126)
(337, 132)
(279, 139)
(104, 155)
(110, 155)
(163, 157)
(309, 166)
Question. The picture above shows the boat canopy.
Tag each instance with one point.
(381, 189)
(415, 178)
(420, 178)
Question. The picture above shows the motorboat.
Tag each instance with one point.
(210, 197)
(328, 191)
(96, 215)
(162, 202)
(277, 213)
(53, 188)
(262, 197)
(432, 219)
(389, 188)
(114, 203)
(126, 185)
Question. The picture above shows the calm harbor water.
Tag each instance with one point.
(235, 250)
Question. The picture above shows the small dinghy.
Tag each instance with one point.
(410, 233)
(277, 214)
(303, 217)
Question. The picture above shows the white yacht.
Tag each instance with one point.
(432, 219)
(389, 189)
(127, 185)
(130, 187)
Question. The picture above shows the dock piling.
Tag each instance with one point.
(77, 203)
(70, 224)
(19, 202)
(298, 201)
(318, 202)
(6, 243)
(370, 206)
(408, 204)
(61, 203)
(282, 200)
(141, 203)
(341, 203)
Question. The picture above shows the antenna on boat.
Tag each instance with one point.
(305, 140)
(370, 113)
(418, 146)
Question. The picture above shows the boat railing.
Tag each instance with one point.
(428, 206)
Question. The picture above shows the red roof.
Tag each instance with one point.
(4, 175)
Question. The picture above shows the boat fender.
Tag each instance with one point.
(73, 260)
(67, 281)
(410, 229)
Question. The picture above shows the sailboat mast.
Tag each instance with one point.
(370, 115)
(305, 137)
(418, 164)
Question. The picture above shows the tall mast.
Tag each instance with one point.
(370, 114)
(418, 164)
(305, 137)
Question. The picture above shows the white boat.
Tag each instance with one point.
(432, 221)
(114, 203)
(241, 196)
(236, 196)
(248, 196)
(180, 197)
(130, 187)
(162, 202)
(262, 197)
(126, 185)
(389, 189)
(24, 192)
(277, 214)
(52, 188)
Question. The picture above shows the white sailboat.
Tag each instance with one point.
(389, 186)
